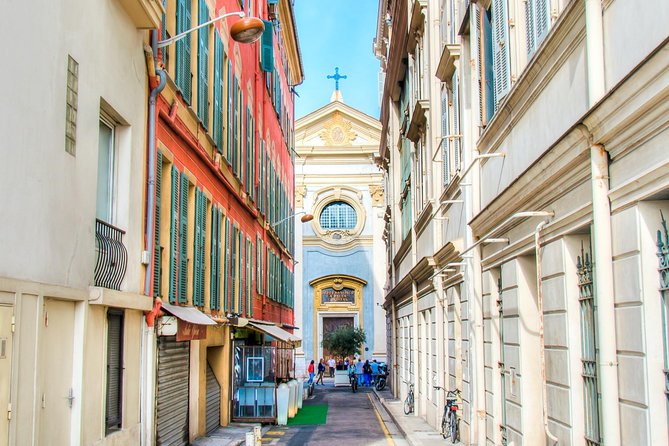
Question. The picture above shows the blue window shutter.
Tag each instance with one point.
(203, 65)
(530, 27)
(500, 45)
(174, 237)
(267, 48)
(156, 231)
(183, 238)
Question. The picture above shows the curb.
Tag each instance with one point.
(392, 417)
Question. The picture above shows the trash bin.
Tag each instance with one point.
(292, 404)
(300, 392)
(282, 401)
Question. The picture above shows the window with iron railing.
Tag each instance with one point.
(663, 255)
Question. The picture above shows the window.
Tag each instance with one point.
(203, 65)
(216, 238)
(71, 106)
(537, 20)
(178, 238)
(219, 88)
(199, 248)
(106, 171)
(500, 39)
(183, 74)
(157, 249)
(338, 215)
(113, 406)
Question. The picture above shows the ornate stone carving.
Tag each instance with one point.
(338, 131)
(300, 192)
(338, 236)
(376, 192)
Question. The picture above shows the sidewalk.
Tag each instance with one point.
(415, 429)
(231, 435)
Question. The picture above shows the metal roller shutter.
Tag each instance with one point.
(213, 400)
(172, 392)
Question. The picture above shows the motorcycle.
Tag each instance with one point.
(353, 379)
(382, 377)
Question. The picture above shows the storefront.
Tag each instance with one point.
(263, 358)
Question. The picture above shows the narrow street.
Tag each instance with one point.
(352, 419)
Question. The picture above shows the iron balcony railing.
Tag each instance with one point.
(112, 257)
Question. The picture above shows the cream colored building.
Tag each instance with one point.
(339, 276)
(525, 146)
(73, 149)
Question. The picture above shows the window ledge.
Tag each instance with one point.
(119, 299)
(446, 67)
(424, 218)
(145, 14)
(416, 24)
(418, 120)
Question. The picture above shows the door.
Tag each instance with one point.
(213, 400)
(6, 313)
(172, 391)
(331, 324)
(55, 366)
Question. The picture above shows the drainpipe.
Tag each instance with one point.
(540, 301)
(147, 387)
(601, 232)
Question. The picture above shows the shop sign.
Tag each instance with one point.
(190, 332)
(333, 296)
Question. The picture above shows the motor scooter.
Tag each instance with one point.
(353, 379)
(382, 377)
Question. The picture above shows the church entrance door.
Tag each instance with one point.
(331, 324)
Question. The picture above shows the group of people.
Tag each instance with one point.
(366, 371)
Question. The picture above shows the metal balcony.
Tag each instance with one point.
(112, 257)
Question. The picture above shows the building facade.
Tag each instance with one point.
(224, 176)
(524, 144)
(71, 296)
(338, 182)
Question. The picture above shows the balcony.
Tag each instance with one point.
(112, 257)
(145, 14)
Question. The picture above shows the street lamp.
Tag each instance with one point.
(246, 30)
(305, 218)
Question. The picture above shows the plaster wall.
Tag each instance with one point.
(54, 215)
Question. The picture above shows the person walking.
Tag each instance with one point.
(331, 365)
(310, 370)
(367, 371)
(359, 372)
(375, 371)
(321, 372)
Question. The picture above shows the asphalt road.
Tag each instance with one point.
(353, 419)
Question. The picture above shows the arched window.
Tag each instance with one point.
(338, 215)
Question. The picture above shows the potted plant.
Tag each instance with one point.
(344, 342)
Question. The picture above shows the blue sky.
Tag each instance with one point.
(337, 33)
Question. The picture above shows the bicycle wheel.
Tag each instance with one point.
(444, 427)
(452, 427)
(408, 405)
(381, 384)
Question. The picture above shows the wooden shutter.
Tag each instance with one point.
(214, 273)
(114, 400)
(542, 19)
(233, 270)
(267, 48)
(183, 74)
(203, 65)
(218, 92)
(240, 268)
(156, 230)
(229, 107)
(198, 248)
(530, 26)
(445, 146)
(226, 267)
(174, 237)
(500, 41)
(183, 238)
(457, 140)
(203, 241)
(478, 42)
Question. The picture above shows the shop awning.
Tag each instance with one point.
(276, 332)
(188, 314)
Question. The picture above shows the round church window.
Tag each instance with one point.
(338, 215)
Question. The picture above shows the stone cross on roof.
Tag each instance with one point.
(336, 77)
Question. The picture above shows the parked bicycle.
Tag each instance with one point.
(449, 420)
(408, 402)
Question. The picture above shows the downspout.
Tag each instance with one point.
(147, 389)
(601, 232)
(540, 302)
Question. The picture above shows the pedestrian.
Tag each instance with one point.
(367, 371)
(375, 371)
(321, 372)
(359, 372)
(331, 365)
(310, 370)
(346, 363)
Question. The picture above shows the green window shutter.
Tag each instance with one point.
(203, 65)
(234, 270)
(217, 131)
(249, 277)
(226, 267)
(229, 104)
(203, 241)
(156, 231)
(235, 127)
(183, 238)
(174, 237)
(240, 269)
(267, 48)
(196, 249)
(246, 153)
(215, 272)
(500, 32)
(183, 74)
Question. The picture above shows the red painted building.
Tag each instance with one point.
(222, 238)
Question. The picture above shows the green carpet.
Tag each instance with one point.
(310, 414)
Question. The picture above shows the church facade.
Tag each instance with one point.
(340, 253)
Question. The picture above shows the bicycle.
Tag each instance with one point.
(449, 420)
(408, 402)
